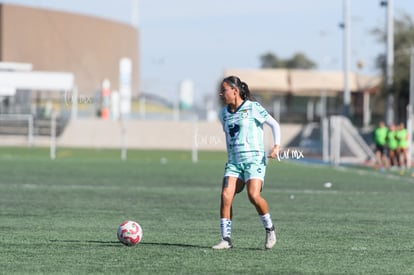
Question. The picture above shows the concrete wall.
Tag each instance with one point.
(143, 134)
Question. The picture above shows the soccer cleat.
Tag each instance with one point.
(270, 237)
(225, 243)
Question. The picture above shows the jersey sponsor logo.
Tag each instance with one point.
(234, 129)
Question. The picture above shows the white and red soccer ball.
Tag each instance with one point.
(129, 233)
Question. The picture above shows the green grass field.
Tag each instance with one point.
(61, 216)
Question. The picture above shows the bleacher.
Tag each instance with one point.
(23, 127)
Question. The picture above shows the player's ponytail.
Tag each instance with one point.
(244, 91)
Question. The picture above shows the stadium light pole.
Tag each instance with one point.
(389, 67)
(346, 26)
(410, 109)
(135, 13)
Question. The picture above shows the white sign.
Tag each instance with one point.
(186, 94)
(125, 72)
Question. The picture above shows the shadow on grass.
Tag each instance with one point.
(161, 244)
(175, 244)
(193, 246)
(108, 243)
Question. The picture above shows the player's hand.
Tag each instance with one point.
(274, 152)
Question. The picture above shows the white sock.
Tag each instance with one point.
(267, 221)
(225, 225)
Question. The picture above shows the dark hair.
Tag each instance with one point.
(235, 82)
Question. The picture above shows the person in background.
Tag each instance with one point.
(402, 149)
(380, 140)
(392, 145)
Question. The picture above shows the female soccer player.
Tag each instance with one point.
(242, 120)
(402, 149)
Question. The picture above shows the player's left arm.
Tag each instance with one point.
(274, 125)
(262, 116)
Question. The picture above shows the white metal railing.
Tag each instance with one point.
(21, 117)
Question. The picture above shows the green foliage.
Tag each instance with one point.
(61, 216)
(403, 44)
(298, 61)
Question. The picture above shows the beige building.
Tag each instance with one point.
(297, 93)
(89, 47)
(300, 82)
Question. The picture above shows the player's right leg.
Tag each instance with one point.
(231, 185)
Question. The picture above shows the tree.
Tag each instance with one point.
(403, 43)
(270, 60)
(298, 61)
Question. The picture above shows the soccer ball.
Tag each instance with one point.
(129, 233)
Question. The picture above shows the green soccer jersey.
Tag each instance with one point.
(380, 135)
(401, 136)
(244, 131)
(392, 141)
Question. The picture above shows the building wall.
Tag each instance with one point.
(89, 47)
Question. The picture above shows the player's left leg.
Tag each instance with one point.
(254, 187)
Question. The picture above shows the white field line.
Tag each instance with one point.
(171, 190)
(358, 171)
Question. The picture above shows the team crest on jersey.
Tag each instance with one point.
(244, 114)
